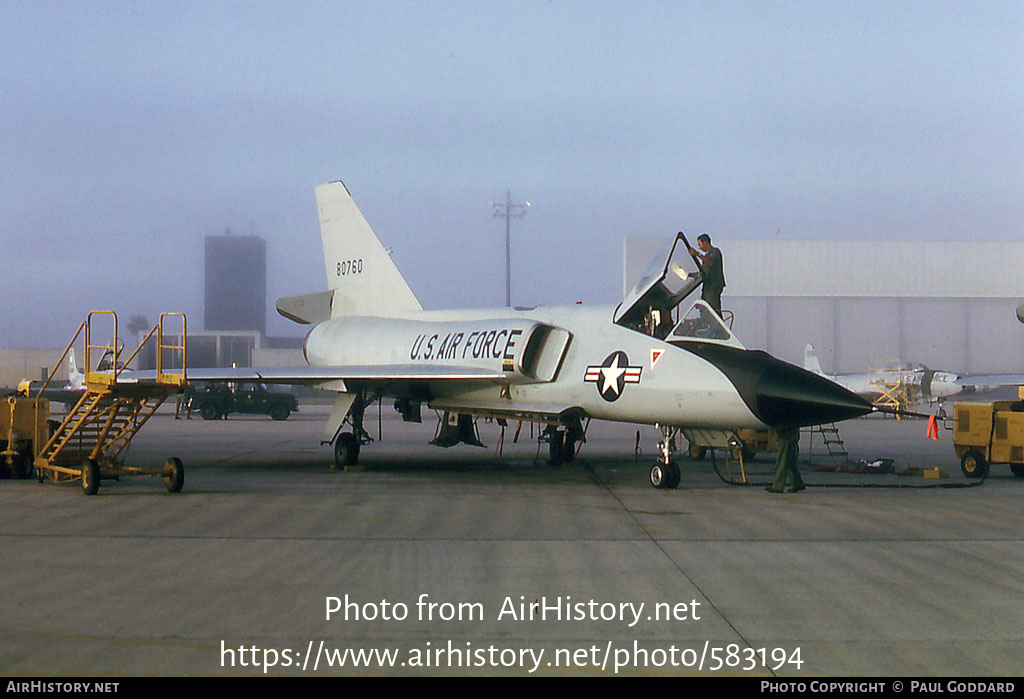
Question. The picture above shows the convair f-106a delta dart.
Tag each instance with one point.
(371, 340)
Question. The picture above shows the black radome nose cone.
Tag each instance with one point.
(781, 395)
(788, 396)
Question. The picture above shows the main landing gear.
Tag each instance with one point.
(562, 442)
(346, 450)
(665, 473)
(348, 444)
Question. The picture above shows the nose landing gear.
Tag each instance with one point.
(665, 473)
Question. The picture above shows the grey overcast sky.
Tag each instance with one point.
(130, 130)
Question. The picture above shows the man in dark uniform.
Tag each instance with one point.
(712, 272)
(185, 399)
(785, 466)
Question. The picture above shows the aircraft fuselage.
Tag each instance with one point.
(573, 358)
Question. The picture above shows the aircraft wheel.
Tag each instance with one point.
(974, 465)
(174, 475)
(209, 411)
(659, 476)
(1018, 470)
(346, 450)
(749, 452)
(279, 412)
(569, 452)
(556, 448)
(674, 475)
(90, 477)
(696, 451)
(23, 465)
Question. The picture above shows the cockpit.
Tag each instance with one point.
(701, 323)
(653, 306)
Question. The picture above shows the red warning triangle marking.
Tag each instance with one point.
(655, 356)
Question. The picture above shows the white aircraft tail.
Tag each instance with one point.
(76, 379)
(359, 270)
(811, 362)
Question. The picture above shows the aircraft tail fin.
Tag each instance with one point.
(359, 270)
(811, 362)
(76, 379)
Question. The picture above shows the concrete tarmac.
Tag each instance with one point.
(868, 575)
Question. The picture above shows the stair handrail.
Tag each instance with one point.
(35, 405)
(132, 356)
(60, 361)
(168, 377)
(90, 374)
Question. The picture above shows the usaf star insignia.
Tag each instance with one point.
(612, 375)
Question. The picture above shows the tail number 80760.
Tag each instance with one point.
(346, 267)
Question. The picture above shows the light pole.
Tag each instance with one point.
(510, 211)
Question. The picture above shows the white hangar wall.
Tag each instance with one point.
(950, 305)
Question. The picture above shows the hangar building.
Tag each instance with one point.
(947, 304)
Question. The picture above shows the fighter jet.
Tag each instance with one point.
(70, 392)
(371, 340)
(921, 384)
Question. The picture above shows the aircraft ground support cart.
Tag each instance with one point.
(989, 433)
(21, 432)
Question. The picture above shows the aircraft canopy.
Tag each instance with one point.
(671, 277)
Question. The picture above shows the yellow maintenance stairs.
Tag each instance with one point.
(91, 441)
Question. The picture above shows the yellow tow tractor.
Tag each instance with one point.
(989, 433)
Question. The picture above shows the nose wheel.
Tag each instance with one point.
(665, 473)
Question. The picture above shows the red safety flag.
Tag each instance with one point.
(933, 428)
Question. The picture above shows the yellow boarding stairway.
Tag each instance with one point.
(91, 441)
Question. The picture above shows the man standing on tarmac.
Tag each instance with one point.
(786, 470)
(712, 272)
(185, 399)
